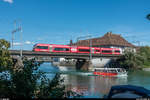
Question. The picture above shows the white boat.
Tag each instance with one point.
(110, 72)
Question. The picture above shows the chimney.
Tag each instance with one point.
(109, 33)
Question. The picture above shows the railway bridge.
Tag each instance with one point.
(83, 60)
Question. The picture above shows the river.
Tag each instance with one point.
(94, 86)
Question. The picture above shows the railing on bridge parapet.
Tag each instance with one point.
(60, 55)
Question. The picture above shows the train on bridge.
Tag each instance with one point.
(74, 49)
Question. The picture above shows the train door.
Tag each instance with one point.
(113, 51)
(50, 48)
(97, 50)
(92, 50)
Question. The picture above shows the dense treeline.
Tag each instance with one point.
(136, 60)
(28, 81)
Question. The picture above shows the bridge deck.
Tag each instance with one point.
(63, 55)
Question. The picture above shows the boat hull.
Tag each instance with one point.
(110, 74)
(105, 74)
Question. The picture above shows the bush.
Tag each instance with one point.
(138, 60)
(29, 82)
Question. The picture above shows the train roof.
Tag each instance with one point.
(40, 44)
(49, 44)
(107, 48)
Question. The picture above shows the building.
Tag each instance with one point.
(109, 40)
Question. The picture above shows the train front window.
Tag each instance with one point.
(61, 49)
(42, 47)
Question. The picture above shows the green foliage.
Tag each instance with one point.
(131, 60)
(32, 83)
(5, 60)
(24, 82)
(53, 89)
(145, 52)
(21, 84)
(29, 82)
(136, 60)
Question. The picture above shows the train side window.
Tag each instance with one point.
(106, 51)
(42, 47)
(66, 49)
(97, 50)
(61, 49)
(34, 45)
(84, 50)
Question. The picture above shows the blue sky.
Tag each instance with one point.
(58, 21)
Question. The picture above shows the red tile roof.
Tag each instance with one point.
(108, 39)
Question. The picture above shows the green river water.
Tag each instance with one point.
(94, 86)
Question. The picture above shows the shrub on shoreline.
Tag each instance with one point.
(25, 83)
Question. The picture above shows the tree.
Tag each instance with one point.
(5, 59)
(5, 65)
(136, 60)
(145, 53)
(131, 60)
(28, 82)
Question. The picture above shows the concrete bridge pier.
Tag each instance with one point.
(84, 64)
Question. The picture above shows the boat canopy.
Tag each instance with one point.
(110, 69)
(122, 88)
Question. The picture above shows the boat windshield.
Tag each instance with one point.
(106, 70)
(113, 71)
(98, 70)
(121, 70)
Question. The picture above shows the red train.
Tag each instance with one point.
(74, 49)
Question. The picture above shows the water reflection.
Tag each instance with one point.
(139, 78)
(103, 84)
(92, 85)
(95, 86)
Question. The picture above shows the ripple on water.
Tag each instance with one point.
(95, 86)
